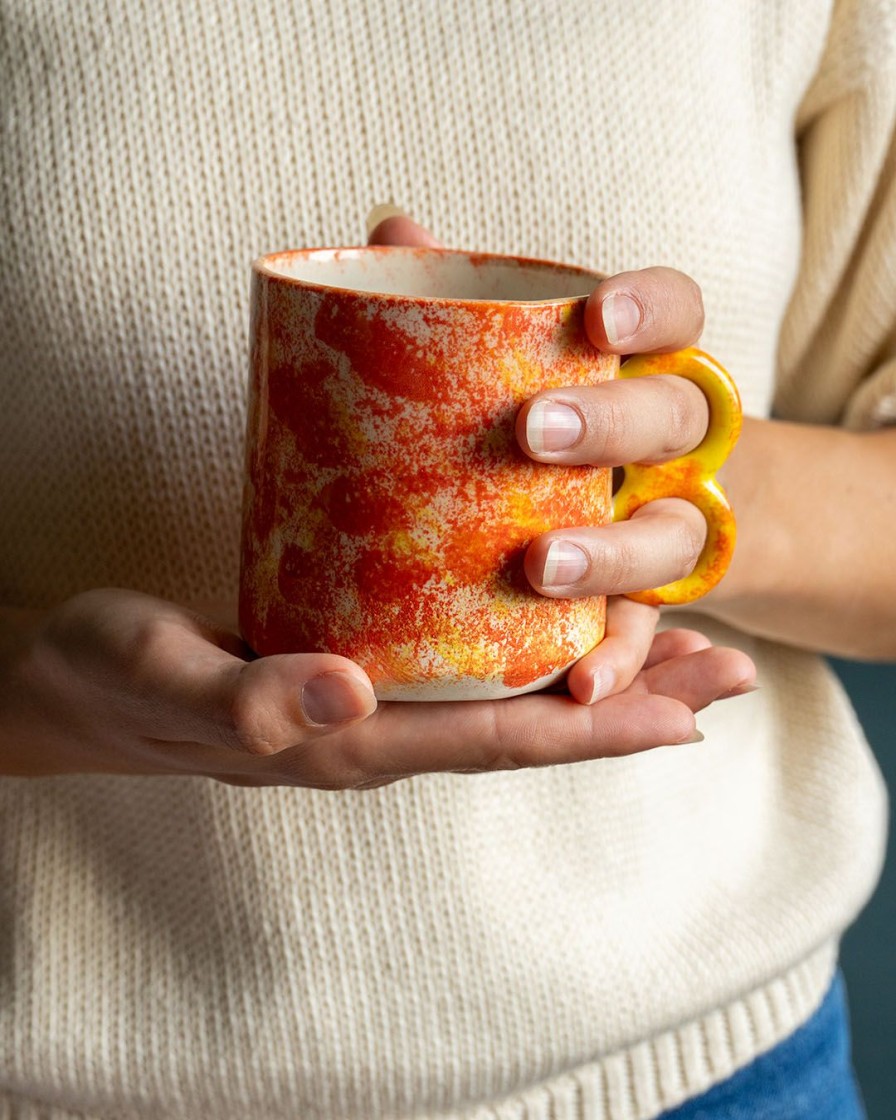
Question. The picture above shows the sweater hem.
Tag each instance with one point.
(639, 1082)
(645, 1080)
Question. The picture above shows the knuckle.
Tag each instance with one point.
(356, 759)
(687, 301)
(506, 744)
(371, 783)
(686, 544)
(324, 774)
(144, 647)
(250, 725)
(612, 432)
(687, 641)
(679, 423)
(678, 306)
(616, 564)
(654, 291)
(695, 299)
(646, 299)
(538, 742)
(303, 766)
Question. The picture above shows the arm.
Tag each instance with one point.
(815, 563)
(816, 559)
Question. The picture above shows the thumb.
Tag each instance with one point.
(276, 702)
(195, 684)
(387, 225)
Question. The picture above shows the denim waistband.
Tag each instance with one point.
(808, 1076)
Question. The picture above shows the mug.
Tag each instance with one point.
(387, 505)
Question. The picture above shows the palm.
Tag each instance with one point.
(682, 674)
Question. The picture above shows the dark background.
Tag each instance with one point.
(868, 954)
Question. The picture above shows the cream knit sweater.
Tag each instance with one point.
(596, 941)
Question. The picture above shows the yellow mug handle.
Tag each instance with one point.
(693, 475)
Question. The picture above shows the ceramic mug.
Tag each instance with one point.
(387, 504)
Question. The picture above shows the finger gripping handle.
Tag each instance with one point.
(691, 476)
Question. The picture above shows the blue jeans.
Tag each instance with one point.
(808, 1076)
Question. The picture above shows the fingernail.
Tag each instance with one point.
(552, 427)
(601, 684)
(336, 697)
(379, 214)
(564, 563)
(697, 737)
(621, 316)
(741, 690)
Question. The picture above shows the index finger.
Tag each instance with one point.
(387, 225)
(648, 311)
(538, 729)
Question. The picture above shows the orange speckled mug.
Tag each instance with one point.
(387, 505)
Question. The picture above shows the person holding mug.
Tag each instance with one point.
(238, 885)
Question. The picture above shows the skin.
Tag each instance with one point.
(114, 681)
(815, 505)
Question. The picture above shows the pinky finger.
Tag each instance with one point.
(613, 664)
(701, 678)
(676, 642)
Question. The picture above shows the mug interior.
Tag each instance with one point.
(427, 273)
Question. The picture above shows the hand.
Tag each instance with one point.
(117, 682)
(647, 420)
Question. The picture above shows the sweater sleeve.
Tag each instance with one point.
(837, 357)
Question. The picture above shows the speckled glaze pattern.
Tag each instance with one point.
(387, 504)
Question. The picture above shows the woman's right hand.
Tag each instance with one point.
(118, 682)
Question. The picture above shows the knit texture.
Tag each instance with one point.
(596, 941)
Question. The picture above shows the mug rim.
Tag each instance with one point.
(262, 268)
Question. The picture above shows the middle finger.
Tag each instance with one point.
(644, 420)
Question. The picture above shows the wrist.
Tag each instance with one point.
(814, 558)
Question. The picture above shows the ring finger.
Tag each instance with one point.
(660, 543)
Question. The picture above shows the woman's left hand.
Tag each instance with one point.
(647, 420)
